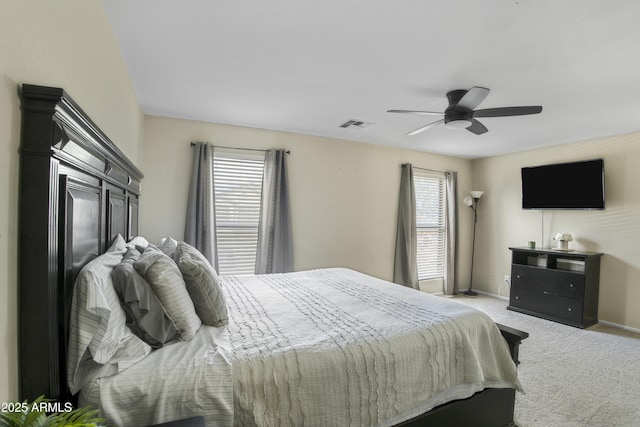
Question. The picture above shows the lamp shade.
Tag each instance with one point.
(468, 201)
(476, 194)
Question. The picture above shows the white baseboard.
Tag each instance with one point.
(506, 298)
(617, 325)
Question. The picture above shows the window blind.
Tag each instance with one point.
(237, 180)
(430, 223)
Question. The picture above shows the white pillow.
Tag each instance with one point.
(168, 246)
(117, 244)
(167, 283)
(203, 285)
(100, 343)
(138, 241)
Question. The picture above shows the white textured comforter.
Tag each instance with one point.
(318, 348)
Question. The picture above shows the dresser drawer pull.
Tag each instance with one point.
(570, 309)
(571, 285)
(546, 292)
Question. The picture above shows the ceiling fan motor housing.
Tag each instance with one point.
(457, 118)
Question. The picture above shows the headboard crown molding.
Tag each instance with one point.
(74, 136)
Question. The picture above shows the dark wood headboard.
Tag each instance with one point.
(77, 192)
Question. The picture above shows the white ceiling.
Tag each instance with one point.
(308, 66)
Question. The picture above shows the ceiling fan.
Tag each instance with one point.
(460, 113)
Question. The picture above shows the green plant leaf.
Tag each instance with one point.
(81, 417)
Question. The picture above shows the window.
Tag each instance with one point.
(430, 223)
(237, 180)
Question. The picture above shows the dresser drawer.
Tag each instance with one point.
(550, 281)
(546, 304)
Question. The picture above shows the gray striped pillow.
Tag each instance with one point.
(203, 285)
(167, 283)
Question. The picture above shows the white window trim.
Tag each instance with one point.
(431, 265)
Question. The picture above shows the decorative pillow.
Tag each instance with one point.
(146, 317)
(138, 242)
(100, 344)
(168, 246)
(203, 285)
(167, 283)
(117, 244)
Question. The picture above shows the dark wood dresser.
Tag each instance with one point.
(562, 286)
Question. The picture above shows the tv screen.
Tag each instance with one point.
(576, 185)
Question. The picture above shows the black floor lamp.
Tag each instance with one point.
(472, 202)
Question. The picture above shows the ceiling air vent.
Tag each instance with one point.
(361, 124)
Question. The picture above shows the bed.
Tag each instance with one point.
(320, 347)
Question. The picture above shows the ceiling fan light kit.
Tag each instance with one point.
(457, 124)
(460, 113)
(458, 119)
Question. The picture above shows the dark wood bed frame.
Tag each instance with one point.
(77, 192)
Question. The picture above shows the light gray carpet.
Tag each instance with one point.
(572, 377)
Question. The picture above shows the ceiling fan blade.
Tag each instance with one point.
(507, 111)
(424, 113)
(477, 127)
(425, 127)
(472, 98)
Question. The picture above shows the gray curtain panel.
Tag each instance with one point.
(200, 228)
(451, 238)
(275, 242)
(405, 271)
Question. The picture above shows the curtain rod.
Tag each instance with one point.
(239, 148)
(428, 170)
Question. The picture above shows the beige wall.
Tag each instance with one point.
(65, 44)
(614, 231)
(344, 194)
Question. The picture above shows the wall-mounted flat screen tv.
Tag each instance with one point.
(575, 185)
